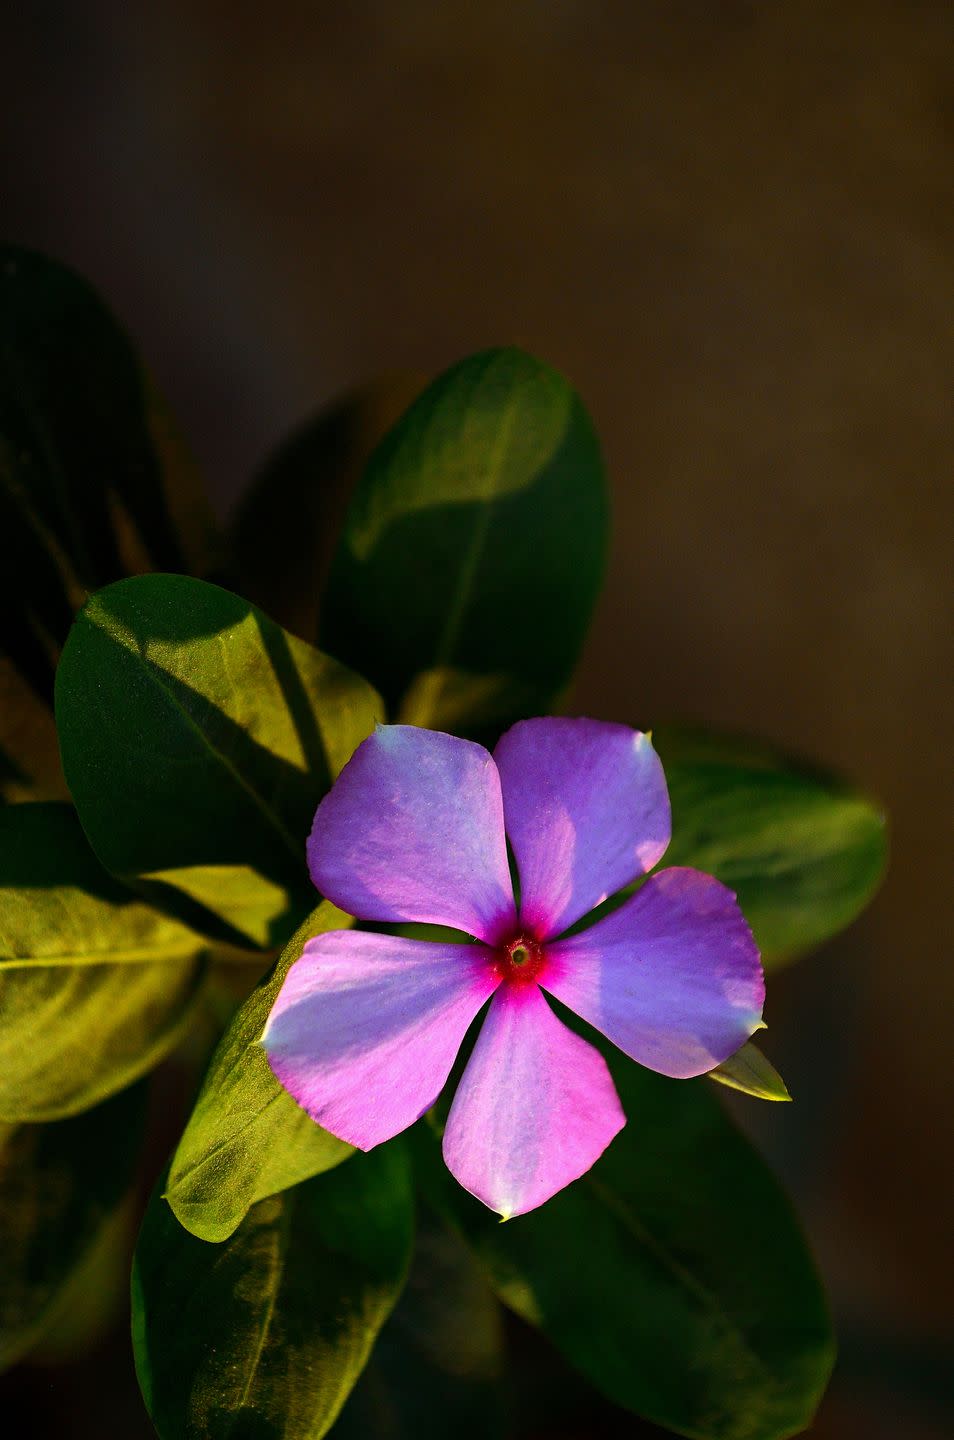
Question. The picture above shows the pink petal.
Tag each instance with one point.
(366, 1028)
(413, 830)
(535, 1108)
(673, 977)
(587, 811)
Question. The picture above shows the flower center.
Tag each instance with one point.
(519, 961)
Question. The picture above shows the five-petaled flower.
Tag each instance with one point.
(367, 1025)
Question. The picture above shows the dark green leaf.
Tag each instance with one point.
(264, 1335)
(95, 1298)
(473, 548)
(247, 1138)
(288, 521)
(673, 1275)
(60, 1188)
(93, 485)
(438, 1364)
(95, 986)
(803, 852)
(197, 738)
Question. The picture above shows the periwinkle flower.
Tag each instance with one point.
(367, 1026)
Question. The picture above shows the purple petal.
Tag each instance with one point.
(587, 811)
(673, 977)
(535, 1108)
(413, 830)
(366, 1028)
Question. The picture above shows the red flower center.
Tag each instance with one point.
(519, 961)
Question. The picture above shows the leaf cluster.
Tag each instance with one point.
(424, 553)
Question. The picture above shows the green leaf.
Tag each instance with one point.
(438, 1363)
(803, 852)
(197, 739)
(93, 485)
(749, 1071)
(247, 1138)
(95, 986)
(473, 548)
(287, 523)
(95, 1298)
(264, 1335)
(61, 1186)
(673, 1274)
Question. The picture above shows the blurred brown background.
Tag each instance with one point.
(730, 224)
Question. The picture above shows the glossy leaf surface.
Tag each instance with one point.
(264, 1335)
(95, 986)
(803, 852)
(60, 1188)
(197, 738)
(473, 548)
(247, 1138)
(673, 1274)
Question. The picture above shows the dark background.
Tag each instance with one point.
(731, 225)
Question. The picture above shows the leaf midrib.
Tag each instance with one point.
(471, 559)
(142, 955)
(154, 673)
(627, 1218)
(284, 1235)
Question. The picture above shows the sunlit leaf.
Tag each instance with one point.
(61, 1186)
(95, 986)
(673, 1274)
(473, 548)
(197, 738)
(265, 1334)
(247, 1138)
(803, 852)
(749, 1071)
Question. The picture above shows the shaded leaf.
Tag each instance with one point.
(264, 1335)
(246, 1137)
(473, 548)
(438, 1363)
(95, 986)
(287, 523)
(93, 485)
(61, 1187)
(673, 1274)
(197, 739)
(95, 1297)
(748, 1070)
(803, 852)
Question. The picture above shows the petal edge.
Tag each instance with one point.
(366, 1028)
(673, 977)
(412, 830)
(535, 1108)
(587, 811)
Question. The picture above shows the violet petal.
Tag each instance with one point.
(413, 830)
(672, 977)
(535, 1108)
(366, 1028)
(587, 811)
